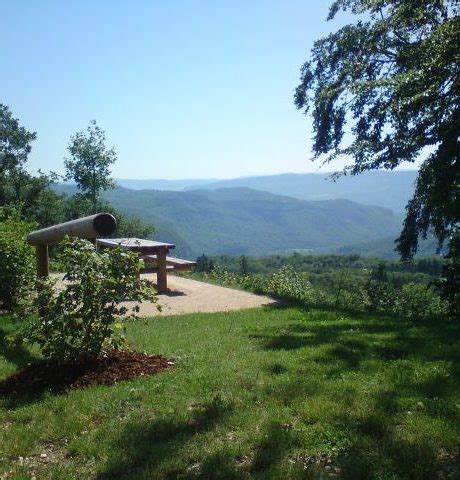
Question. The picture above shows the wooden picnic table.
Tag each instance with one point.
(144, 247)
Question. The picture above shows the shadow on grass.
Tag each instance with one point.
(422, 339)
(219, 466)
(379, 451)
(390, 458)
(276, 369)
(146, 447)
(420, 361)
(16, 354)
(271, 450)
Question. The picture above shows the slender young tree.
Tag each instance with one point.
(384, 90)
(90, 162)
(244, 268)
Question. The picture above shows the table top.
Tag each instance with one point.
(135, 244)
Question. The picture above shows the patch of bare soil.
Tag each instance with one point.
(53, 376)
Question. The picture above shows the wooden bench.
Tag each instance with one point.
(145, 247)
(172, 263)
(155, 255)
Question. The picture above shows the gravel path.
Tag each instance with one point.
(190, 296)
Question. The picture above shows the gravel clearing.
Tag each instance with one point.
(191, 296)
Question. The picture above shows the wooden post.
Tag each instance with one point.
(162, 278)
(42, 270)
(42, 261)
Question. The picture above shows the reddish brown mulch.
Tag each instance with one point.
(58, 377)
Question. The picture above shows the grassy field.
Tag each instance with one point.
(267, 393)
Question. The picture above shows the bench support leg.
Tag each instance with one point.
(42, 270)
(42, 261)
(162, 278)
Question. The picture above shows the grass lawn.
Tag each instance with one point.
(265, 393)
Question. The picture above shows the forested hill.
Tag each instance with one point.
(241, 220)
(383, 188)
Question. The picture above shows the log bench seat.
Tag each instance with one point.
(172, 263)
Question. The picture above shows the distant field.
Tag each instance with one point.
(264, 393)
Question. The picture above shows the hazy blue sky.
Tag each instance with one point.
(183, 89)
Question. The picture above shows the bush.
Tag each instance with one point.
(419, 301)
(84, 318)
(17, 260)
(377, 294)
(288, 284)
(381, 296)
(352, 298)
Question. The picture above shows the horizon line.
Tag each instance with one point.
(214, 179)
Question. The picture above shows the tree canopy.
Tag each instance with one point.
(15, 142)
(385, 90)
(18, 188)
(32, 196)
(89, 165)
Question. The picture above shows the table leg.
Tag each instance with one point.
(162, 279)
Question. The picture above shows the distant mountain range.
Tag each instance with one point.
(272, 214)
(382, 188)
(159, 184)
(239, 221)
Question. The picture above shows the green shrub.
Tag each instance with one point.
(17, 260)
(223, 276)
(419, 301)
(377, 294)
(288, 284)
(84, 318)
(381, 296)
(353, 298)
(254, 283)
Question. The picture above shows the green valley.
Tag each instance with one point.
(244, 221)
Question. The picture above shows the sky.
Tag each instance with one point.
(183, 89)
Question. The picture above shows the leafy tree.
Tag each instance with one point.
(32, 196)
(15, 143)
(49, 208)
(386, 90)
(204, 264)
(15, 146)
(76, 206)
(379, 273)
(132, 227)
(79, 206)
(20, 191)
(244, 268)
(89, 165)
(449, 282)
